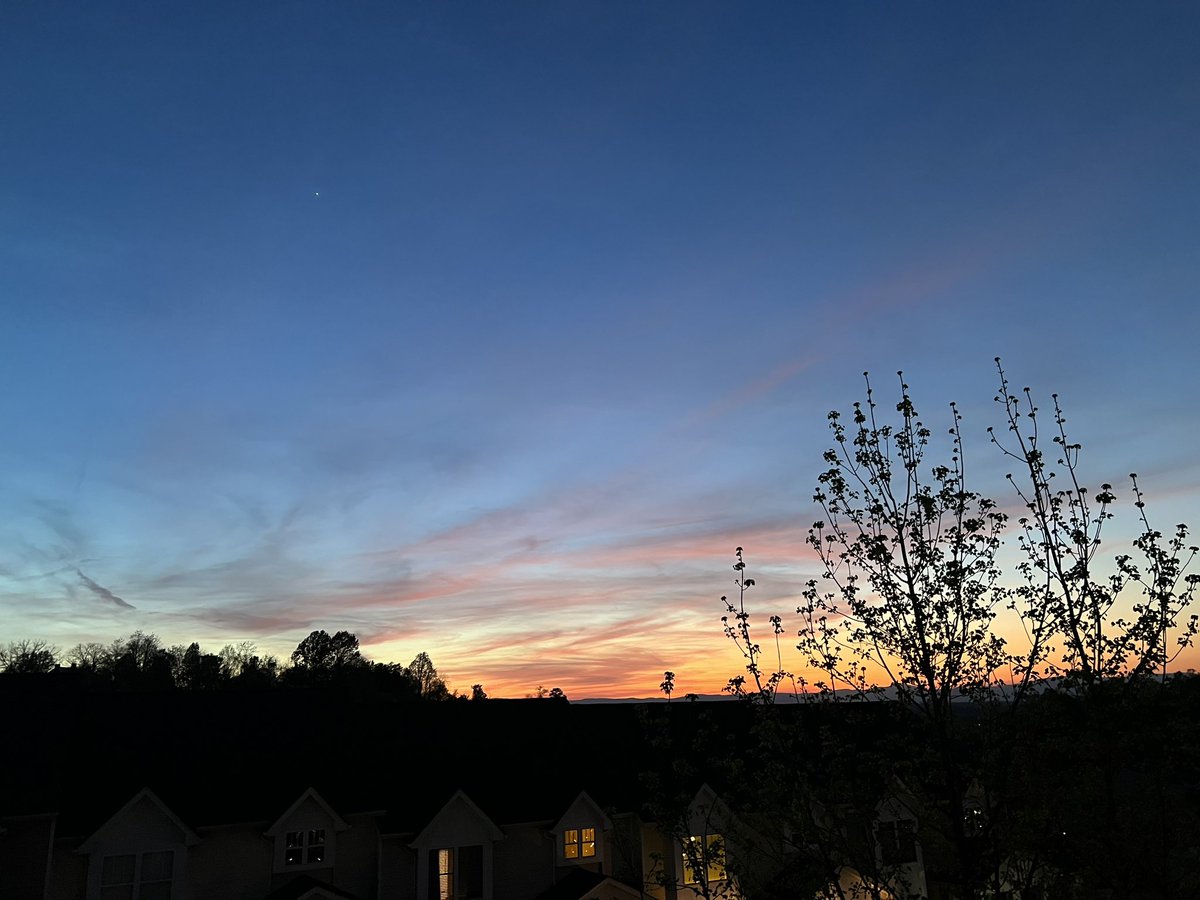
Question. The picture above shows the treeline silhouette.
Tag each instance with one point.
(141, 662)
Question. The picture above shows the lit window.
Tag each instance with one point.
(897, 842)
(137, 877)
(456, 873)
(704, 854)
(445, 863)
(579, 842)
(304, 847)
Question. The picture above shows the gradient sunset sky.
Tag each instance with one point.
(490, 329)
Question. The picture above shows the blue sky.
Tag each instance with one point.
(489, 330)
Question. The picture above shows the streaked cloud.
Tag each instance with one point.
(102, 592)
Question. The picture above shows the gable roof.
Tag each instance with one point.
(279, 826)
(584, 884)
(305, 887)
(899, 803)
(708, 809)
(147, 796)
(459, 820)
(582, 807)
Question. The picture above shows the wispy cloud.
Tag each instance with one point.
(102, 592)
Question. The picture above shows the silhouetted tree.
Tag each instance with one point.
(1067, 594)
(910, 588)
(818, 789)
(668, 684)
(237, 658)
(906, 603)
(139, 662)
(429, 685)
(28, 657)
(91, 657)
(389, 681)
(478, 693)
(243, 666)
(195, 670)
(322, 652)
(140, 650)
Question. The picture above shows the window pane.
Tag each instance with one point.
(887, 842)
(441, 874)
(117, 870)
(715, 854)
(293, 856)
(295, 839)
(469, 877)
(589, 842)
(316, 836)
(571, 843)
(897, 842)
(704, 857)
(316, 853)
(159, 890)
(693, 854)
(158, 866)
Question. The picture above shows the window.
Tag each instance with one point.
(897, 842)
(704, 854)
(579, 843)
(974, 821)
(117, 879)
(445, 879)
(132, 876)
(304, 847)
(456, 873)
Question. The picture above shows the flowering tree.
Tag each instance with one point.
(910, 585)
(1065, 596)
(907, 605)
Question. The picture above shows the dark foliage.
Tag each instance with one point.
(140, 663)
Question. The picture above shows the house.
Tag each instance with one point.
(304, 796)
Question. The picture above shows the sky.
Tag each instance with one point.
(490, 330)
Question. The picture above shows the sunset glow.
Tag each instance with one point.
(490, 330)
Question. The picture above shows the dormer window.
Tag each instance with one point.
(580, 834)
(303, 848)
(138, 854)
(579, 843)
(704, 858)
(306, 835)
